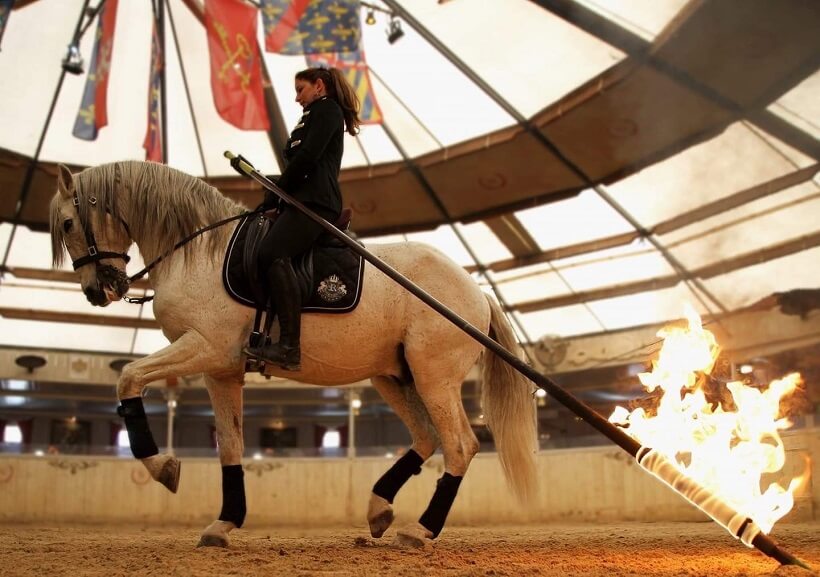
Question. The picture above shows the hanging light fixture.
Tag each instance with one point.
(394, 31)
(73, 61)
(370, 20)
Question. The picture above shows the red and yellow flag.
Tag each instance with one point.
(153, 133)
(236, 65)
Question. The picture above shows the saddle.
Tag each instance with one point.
(329, 274)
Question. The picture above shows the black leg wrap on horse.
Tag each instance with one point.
(396, 476)
(435, 515)
(233, 495)
(136, 423)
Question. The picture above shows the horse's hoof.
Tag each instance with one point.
(379, 515)
(414, 536)
(169, 474)
(216, 534)
(212, 541)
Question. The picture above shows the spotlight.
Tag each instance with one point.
(394, 31)
(371, 18)
(73, 61)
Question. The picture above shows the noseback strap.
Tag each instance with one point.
(95, 256)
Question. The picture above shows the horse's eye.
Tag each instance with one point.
(67, 224)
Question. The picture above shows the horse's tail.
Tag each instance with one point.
(509, 409)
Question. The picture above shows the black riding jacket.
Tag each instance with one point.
(314, 157)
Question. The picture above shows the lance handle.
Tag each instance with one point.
(612, 432)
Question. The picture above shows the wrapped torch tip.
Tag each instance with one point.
(767, 545)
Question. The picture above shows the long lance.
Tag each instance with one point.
(740, 526)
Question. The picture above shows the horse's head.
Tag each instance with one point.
(85, 223)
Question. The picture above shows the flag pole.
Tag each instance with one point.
(163, 100)
(739, 525)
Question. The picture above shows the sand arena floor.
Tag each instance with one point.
(612, 550)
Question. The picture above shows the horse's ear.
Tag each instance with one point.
(65, 181)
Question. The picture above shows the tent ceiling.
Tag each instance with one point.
(605, 162)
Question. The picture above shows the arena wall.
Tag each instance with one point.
(593, 484)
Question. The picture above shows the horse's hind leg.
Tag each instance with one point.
(459, 445)
(407, 405)
(226, 399)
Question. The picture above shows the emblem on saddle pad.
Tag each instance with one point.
(331, 289)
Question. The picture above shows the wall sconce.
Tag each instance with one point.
(541, 397)
(117, 365)
(355, 403)
(30, 362)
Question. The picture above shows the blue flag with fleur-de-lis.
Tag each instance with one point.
(311, 26)
(93, 113)
(5, 12)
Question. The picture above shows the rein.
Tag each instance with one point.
(180, 244)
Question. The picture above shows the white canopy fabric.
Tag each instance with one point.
(737, 252)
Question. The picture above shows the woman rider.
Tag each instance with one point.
(314, 157)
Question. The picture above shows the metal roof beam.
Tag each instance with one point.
(723, 267)
(514, 235)
(636, 47)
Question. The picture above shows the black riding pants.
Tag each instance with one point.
(292, 234)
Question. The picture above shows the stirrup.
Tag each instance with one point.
(267, 354)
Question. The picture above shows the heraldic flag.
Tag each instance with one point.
(236, 64)
(311, 26)
(93, 113)
(354, 67)
(5, 12)
(153, 134)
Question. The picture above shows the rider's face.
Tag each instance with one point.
(307, 92)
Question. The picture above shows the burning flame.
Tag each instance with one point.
(727, 452)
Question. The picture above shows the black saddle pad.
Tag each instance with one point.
(335, 283)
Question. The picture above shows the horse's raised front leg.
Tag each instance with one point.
(190, 354)
(226, 399)
(459, 445)
(407, 405)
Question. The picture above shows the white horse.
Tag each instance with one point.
(415, 358)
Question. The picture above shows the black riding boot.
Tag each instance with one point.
(287, 306)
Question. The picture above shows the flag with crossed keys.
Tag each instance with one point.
(354, 67)
(236, 64)
(93, 113)
(5, 12)
(311, 26)
(153, 134)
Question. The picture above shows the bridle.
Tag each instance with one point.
(95, 255)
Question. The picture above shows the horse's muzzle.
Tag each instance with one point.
(112, 283)
(96, 297)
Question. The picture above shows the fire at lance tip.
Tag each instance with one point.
(738, 525)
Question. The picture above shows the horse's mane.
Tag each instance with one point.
(161, 206)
